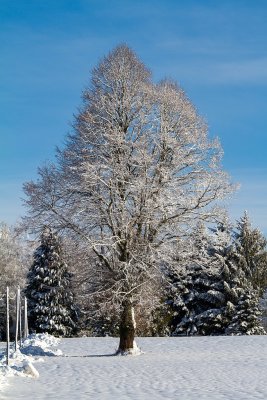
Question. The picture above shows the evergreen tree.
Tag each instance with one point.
(246, 317)
(212, 293)
(242, 309)
(50, 299)
(198, 295)
(251, 245)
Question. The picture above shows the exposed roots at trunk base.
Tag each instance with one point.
(127, 344)
(134, 351)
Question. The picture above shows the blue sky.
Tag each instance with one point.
(216, 50)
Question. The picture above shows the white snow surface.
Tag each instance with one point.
(21, 361)
(181, 368)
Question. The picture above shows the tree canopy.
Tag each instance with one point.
(135, 173)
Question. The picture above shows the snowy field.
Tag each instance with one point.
(194, 368)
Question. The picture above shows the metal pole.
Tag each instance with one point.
(17, 318)
(26, 333)
(20, 329)
(7, 325)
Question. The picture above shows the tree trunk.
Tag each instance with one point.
(127, 330)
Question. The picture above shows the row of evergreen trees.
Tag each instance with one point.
(214, 290)
(217, 288)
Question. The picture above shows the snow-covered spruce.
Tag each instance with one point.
(252, 250)
(198, 296)
(212, 293)
(50, 299)
(251, 261)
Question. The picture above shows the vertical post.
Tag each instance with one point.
(7, 325)
(20, 329)
(26, 332)
(17, 318)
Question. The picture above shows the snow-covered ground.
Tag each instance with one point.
(229, 368)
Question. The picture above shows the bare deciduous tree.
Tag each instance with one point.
(136, 171)
(14, 259)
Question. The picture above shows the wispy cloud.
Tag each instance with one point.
(242, 71)
(206, 71)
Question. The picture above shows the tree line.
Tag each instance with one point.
(213, 286)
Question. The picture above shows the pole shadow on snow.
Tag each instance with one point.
(90, 355)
